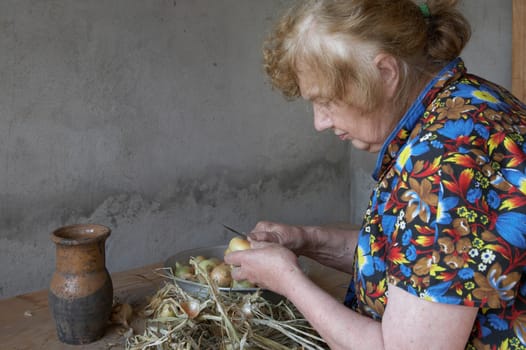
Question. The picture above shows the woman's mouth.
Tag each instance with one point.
(342, 136)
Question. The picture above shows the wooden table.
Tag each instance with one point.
(26, 322)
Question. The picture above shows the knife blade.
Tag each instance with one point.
(244, 235)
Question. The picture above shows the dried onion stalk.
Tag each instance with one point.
(224, 320)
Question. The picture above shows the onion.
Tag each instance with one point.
(199, 258)
(238, 243)
(243, 284)
(167, 311)
(183, 271)
(246, 309)
(221, 274)
(209, 264)
(191, 308)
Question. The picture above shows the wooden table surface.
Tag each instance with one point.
(26, 322)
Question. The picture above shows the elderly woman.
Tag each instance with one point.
(438, 261)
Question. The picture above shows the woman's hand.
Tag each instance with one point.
(292, 237)
(331, 245)
(269, 265)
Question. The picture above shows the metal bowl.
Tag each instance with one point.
(202, 290)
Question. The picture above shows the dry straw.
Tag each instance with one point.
(222, 321)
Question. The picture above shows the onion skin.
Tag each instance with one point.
(191, 308)
(221, 274)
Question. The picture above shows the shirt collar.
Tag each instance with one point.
(401, 132)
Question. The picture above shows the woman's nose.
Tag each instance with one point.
(322, 121)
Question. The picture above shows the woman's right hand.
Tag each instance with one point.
(291, 237)
(331, 245)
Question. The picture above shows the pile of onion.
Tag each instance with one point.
(219, 271)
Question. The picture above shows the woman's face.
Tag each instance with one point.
(366, 130)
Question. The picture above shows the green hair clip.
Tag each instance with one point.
(425, 10)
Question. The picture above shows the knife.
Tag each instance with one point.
(244, 235)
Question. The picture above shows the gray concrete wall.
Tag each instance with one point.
(154, 118)
(488, 54)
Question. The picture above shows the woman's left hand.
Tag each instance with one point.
(269, 265)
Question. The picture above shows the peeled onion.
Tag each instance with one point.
(238, 243)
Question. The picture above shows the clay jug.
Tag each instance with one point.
(81, 291)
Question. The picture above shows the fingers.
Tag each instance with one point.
(268, 226)
(257, 236)
(267, 231)
(262, 236)
(233, 258)
(260, 244)
(236, 273)
(262, 226)
(262, 264)
(244, 261)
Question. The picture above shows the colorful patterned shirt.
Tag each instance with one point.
(447, 218)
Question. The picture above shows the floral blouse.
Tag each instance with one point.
(447, 218)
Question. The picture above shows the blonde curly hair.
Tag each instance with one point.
(338, 40)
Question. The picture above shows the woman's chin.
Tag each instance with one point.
(363, 146)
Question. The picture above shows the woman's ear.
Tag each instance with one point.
(389, 72)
